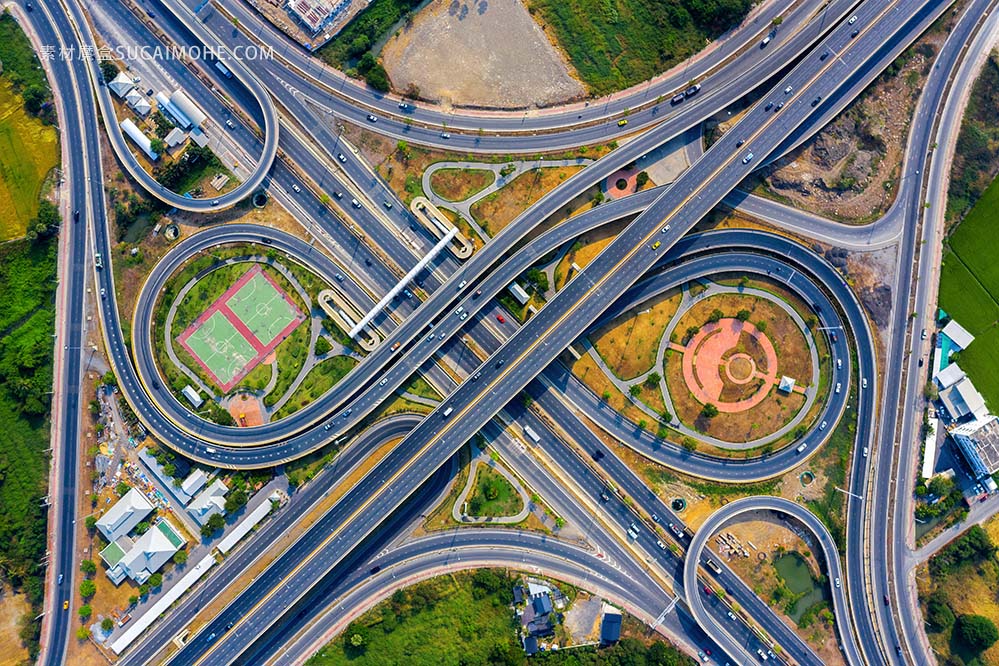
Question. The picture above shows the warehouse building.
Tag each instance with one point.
(140, 139)
(978, 441)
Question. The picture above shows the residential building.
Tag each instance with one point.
(315, 15)
(209, 502)
(962, 400)
(174, 138)
(610, 625)
(121, 85)
(958, 335)
(949, 376)
(124, 515)
(194, 482)
(143, 557)
(978, 441)
(138, 102)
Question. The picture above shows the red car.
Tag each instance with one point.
(707, 590)
(501, 319)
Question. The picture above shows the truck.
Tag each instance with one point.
(396, 346)
(222, 68)
(531, 435)
(711, 564)
(447, 412)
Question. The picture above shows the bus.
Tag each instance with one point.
(711, 564)
(531, 435)
(222, 68)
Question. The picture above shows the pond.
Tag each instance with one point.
(798, 578)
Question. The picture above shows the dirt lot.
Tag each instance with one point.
(628, 344)
(848, 170)
(498, 209)
(460, 184)
(458, 52)
(12, 607)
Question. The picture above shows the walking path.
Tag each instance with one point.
(464, 207)
(687, 301)
(481, 457)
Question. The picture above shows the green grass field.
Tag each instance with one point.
(262, 308)
(320, 379)
(492, 495)
(614, 45)
(969, 291)
(29, 150)
(221, 347)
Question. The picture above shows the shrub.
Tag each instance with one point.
(87, 588)
(85, 611)
(977, 632)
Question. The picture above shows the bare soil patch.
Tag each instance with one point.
(628, 343)
(498, 209)
(462, 52)
(460, 184)
(12, 608)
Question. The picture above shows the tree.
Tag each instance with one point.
(761, 326)
(143, 589)
(214, 524)
(122, 488)
(82, 633)
(776, 21)
(109, 379)
(742, 315)
(941, 486)
(157, 145)
(377, 77)
(85, 611)
(133, 600)
(107, 624)
(709, 411)
(938, 613)
(605, 396)
(108, 70)
(666, 417)
(402, 147)
(87, 588)
(692, 331)
(34, 97)
(635, 390)
(976, 632)
(641, 179)
(156, 580)
(90, 522)
(235, 501)
(715, 316)
(88, 567)
(653, 379)
(142, 527)
(689, 444)
(180, 557)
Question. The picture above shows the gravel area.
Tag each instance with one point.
(485, 53)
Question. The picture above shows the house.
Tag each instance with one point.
(518, 594)
(530, 645)
(194, 482)
(174, 138)
(316, 14)
(958, 335)
(610, 625)
(209, 502)
(138, 102)
(949, 376)
(979, 443)
(962, 400)
(145, 556)
(518, 292)
(121, 85)
(124, 515)
(542, 604)
(186, 106)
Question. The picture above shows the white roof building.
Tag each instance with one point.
(949, 376)
(148, 553)
(518, 292)
(140, 139)
(979, 442)
(124, 515)
(194, 482)
(138, 102)
(958, 334)
(189, 391)
(963, 399)
(121, 85)
(181, 101)
(209, 502)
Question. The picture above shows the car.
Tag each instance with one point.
(215, 202)
(440, 337)
(375, 569)
(665, 229)
(677, 98)
(692, 90)
(655, 246)
(60, 580)
(98, 261)
(76, 215)
(865, 451)
(409, 294)
(341, 157)
(500, 363)
(340, 277)
(853, 19)
(104, 292)
(854, 34)
(922, 336)
(597, 454)
(707, 590)
(403, 105)
(296, 188)
(738, 144)
(835, 338)
(501, 319)
(863, 383)
(839, 386)
(766, 40)
(461, 285)
(229, 626)
(801, 448)
(29, 7)
(327, 426)
(387, 204)
(768, 106)
(762, 655)
(604, 497)
(748, 158)
(886, 600)
(839, 364)
(338, 194)
(655, 518)
(65, 605)
(348, 412)
(355, 203)
(780, 105)
(815, 102)
(825, 54)
(837, 583)
(372, 118)
(156, 385)
(787, 91)
(476, 376)
(622, 123)
(461, 308)
(478, 292)
(822, 426)
(700, 653)
(464, 316)
(659, 542)
(445, 135)
(230, 124)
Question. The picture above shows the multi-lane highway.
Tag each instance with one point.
(820, 82)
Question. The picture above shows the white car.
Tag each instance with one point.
(229, 124)
(296, 188)
(853, 19)
(341, 157)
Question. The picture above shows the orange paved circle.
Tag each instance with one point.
(704, 357)
(610, 183)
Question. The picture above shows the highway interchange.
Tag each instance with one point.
(345, 546)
